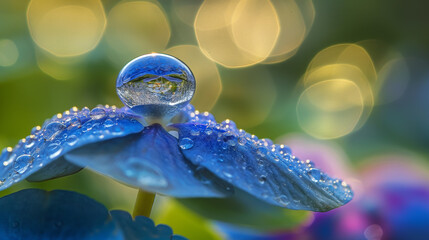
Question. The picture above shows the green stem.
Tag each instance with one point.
(144, 203)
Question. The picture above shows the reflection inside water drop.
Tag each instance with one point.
(22, 163)
(155, 85)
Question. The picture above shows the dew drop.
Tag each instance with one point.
(52, 130)
(35, 130)
(22, 163)
(97, 113)
(232, 142)
(262, 179)
(262, 151)
(242, 141)
(54, 150)
(85, 112)
(202, 175)
(109, 123)
(30, 142)
(314, 174)
(282, 200)
(72, 121)
(147, 175)
(72, 140)
(195, 132)
(186, 143)
(208, 131)
(155, 85)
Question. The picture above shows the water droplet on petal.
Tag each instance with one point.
(282, 200)
(146, 174)
(195, 132)
(155, 85)
(72, 121)
(314, 174)
(109, 123)
(72, 140)
(262, 151)
(186, 143)
(262, 179)
(30, 141)
(54, 150)
(242, 141)
(52, 130)
(208, 131)
(202, 174)
(22, 163)
(35, 130)
(97, 113)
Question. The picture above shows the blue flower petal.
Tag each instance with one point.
(150, 160)
(58, 168)
(59, 135)
(143, 226)
(259, 167)
(36, 214)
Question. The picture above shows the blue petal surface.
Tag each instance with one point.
(259, 167)
(58, 168)
(142, 227)
(57, 136)
(36, 214)
(150, 160)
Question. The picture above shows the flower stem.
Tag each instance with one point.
(144, 203)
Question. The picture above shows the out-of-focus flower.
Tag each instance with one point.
(37, 214)
(198, 157)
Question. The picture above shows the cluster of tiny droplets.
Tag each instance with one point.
(50, 139)
(232, 137)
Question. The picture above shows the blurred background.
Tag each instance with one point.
(344, 83)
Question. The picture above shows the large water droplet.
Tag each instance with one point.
(22, 163)
(72, 140)
(97, 113)
(155, 85)
(186, 143)
(52, 130)
(314, 174)
(72, 121)
(147, 175)
(54, 150)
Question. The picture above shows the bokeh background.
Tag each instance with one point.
(344, 83)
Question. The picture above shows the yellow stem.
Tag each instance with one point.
(144, 203)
